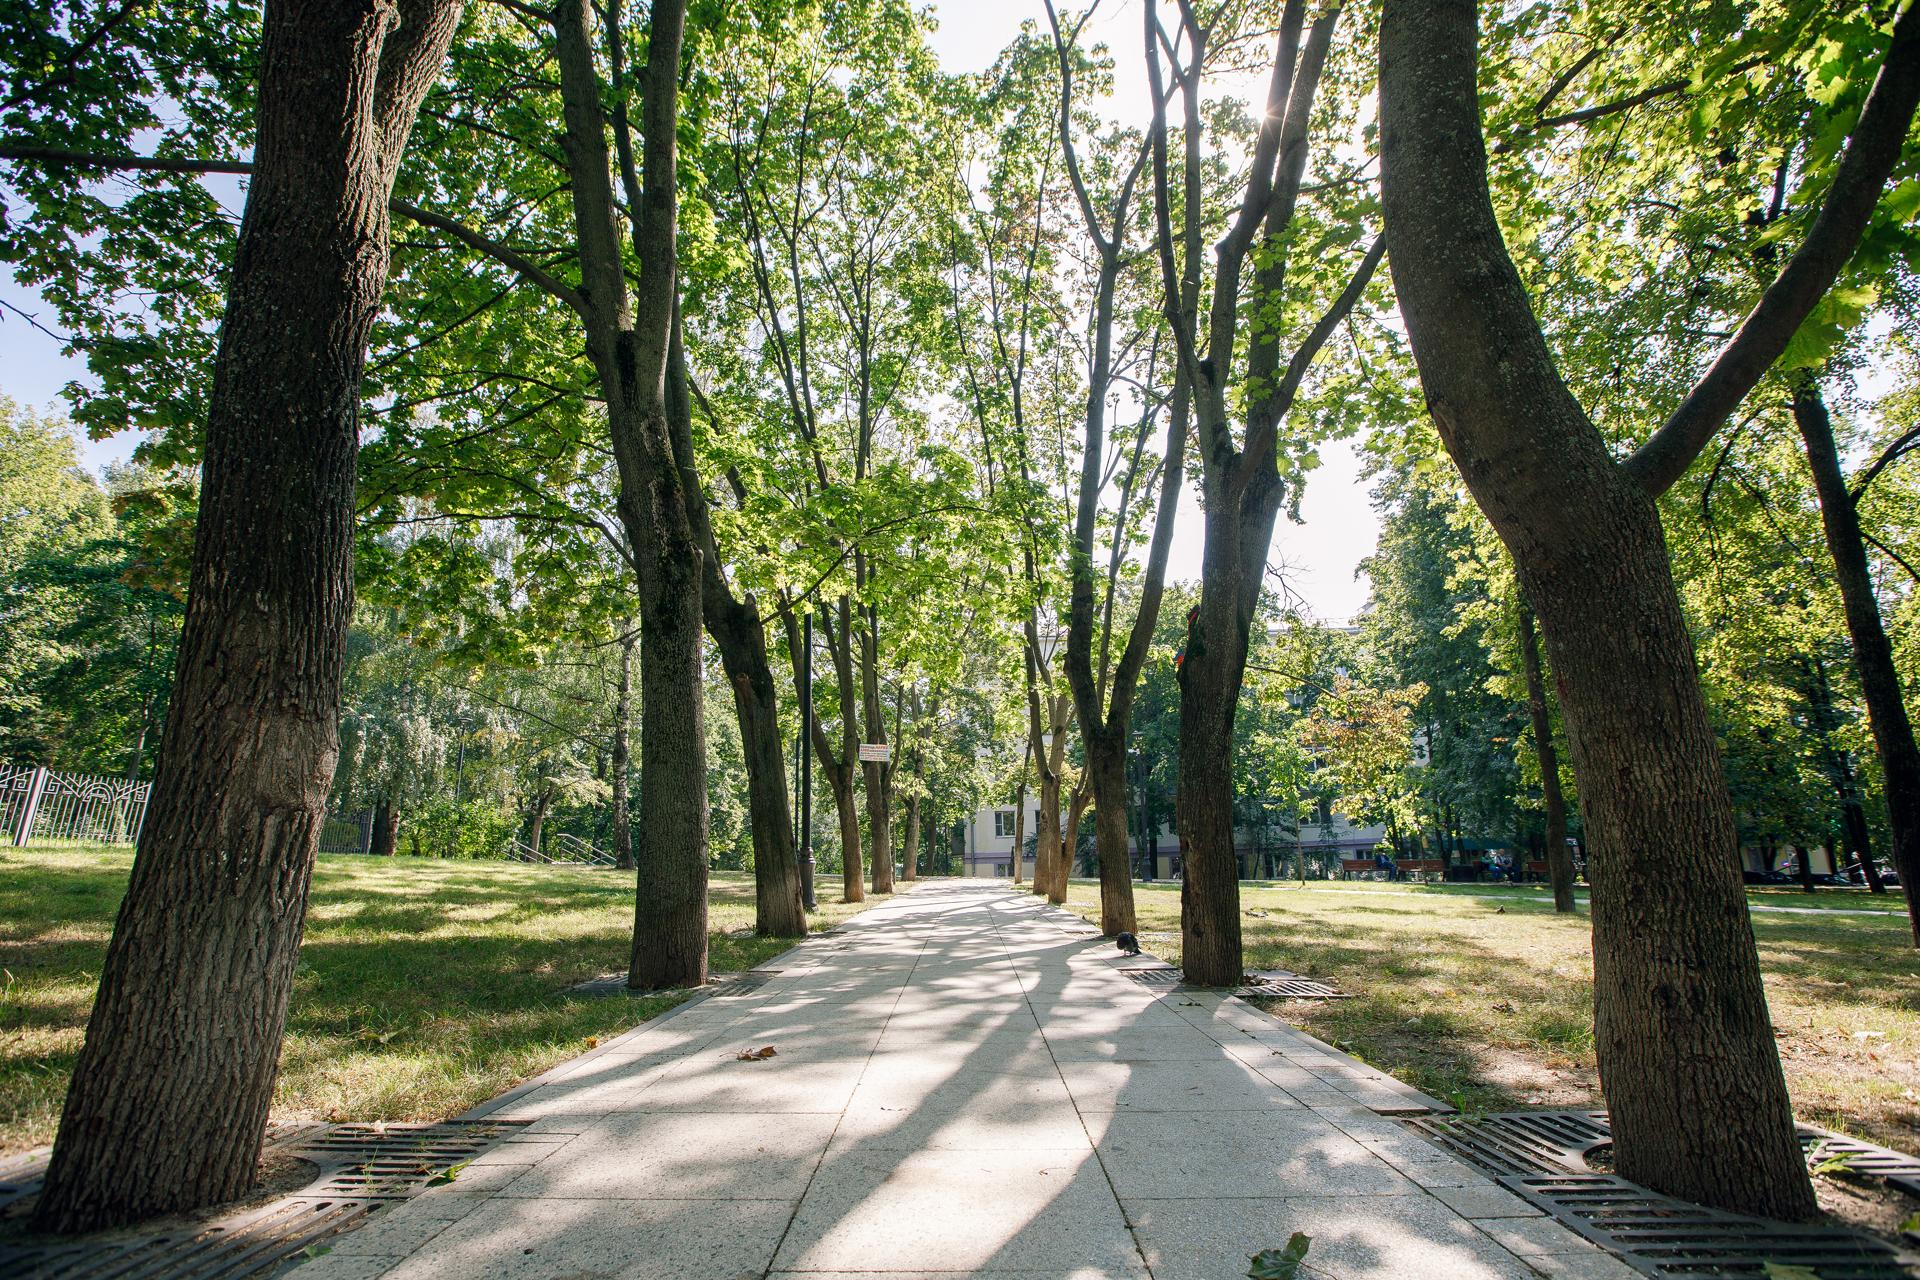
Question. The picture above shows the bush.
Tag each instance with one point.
(475, 828)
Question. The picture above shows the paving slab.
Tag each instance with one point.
(963, 1084)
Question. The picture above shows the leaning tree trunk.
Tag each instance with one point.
(622, 761)
(778, 909)
(169, 1097)
(1559, 865)
(740, 634)
(1872, 652)
(1686, 1052)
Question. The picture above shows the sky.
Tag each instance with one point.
(1322, 554)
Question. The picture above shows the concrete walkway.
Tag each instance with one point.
(964, 1082)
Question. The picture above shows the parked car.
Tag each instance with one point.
(1768, 877)
(1857, 875)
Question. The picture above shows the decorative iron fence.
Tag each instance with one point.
(45, 806)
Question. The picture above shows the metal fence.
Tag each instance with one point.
(45, 806)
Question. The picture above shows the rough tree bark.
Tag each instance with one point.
(1559, 862)
(1698, 1100)
(1872, 652)
(169, 1097)
(628, 337)
(1240, 480)
(622, 762)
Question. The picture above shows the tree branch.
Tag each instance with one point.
(1870, 156)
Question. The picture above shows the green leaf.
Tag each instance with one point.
(448, 1174)
(1281, 1264)
(1782, 1271)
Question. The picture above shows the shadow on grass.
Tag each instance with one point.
(423, 986)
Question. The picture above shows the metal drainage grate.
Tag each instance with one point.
(1663, 1237)
(1895, 1168)
(1542, 1156)
(392, 1162)
(1520, 1142)
(1273, 983)
(361, 1168)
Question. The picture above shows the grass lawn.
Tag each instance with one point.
(1487, 1002)
(424, 986)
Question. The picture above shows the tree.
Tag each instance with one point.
(1872, 651)
(1103, 698)
(1694, 1084)
(168, 1102)
(1243, 485)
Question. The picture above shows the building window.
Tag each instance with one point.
(1002, 823)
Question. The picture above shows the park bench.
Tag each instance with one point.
(1422, 869)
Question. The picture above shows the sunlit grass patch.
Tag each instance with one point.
(1488, 1001)
(423, 987)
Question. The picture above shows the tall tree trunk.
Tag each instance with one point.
(1805, 864)
(1107, 764)
(169, 1097)
(1698, 1100)
(1559, 864)
(878, 774)
(1872, 652)
(910, 857)
(740, 634)
(1047, 859)
(1238, 534)
(629, 338)
(1020, 828)
(778, 910)
(386, 828)
(622, 762)
(1070, 836)
(1825, 722)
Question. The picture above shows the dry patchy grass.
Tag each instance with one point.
(424, 987)
(1487, 1002)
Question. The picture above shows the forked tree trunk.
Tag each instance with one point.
(740, 634)
(622, 761)
(1686, 1053)
(1872, 652)
(629, 337)
(169, 1097)
(1559, 864)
